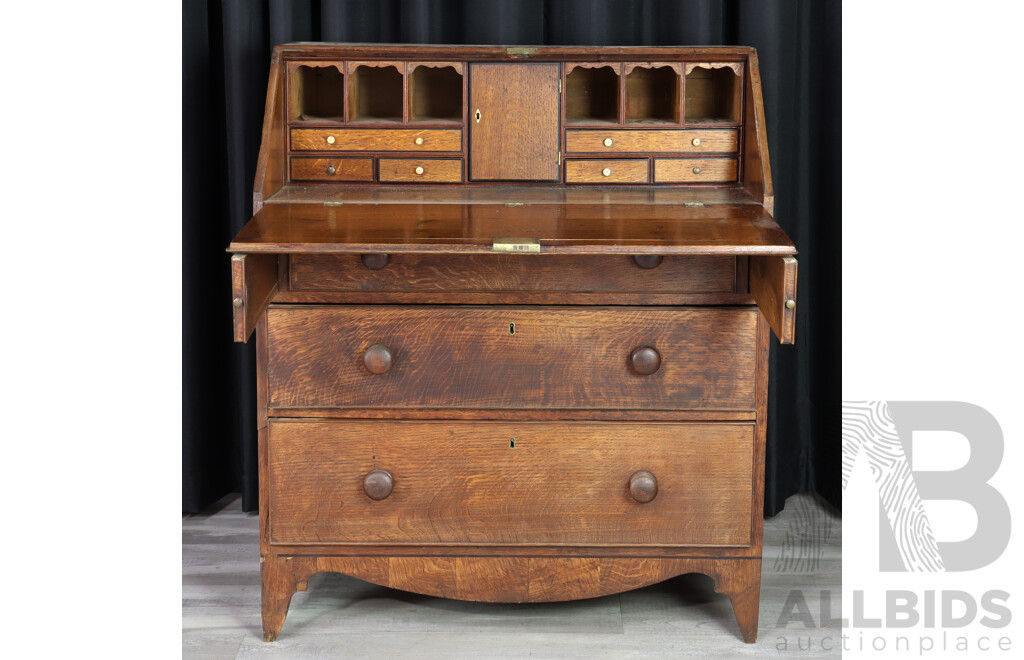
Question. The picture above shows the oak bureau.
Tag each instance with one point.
(512, 310)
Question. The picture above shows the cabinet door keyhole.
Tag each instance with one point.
(511, 443)
(511, 328)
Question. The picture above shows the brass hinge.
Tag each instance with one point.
(515, 244)
(559, 85)
(520, 51)
(334, 203)
(559, 158)
(698, 205)
(513, 203)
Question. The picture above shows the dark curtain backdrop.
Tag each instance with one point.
(226, 57)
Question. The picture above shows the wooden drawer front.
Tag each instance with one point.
(366, 139)
(694, 170)
(512, 272)
(511, 357)
(462, 482)
(332, 169)
(420, 170)
(653, 141)
(606, 171)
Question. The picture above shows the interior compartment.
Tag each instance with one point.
(652, 95)
(435, 94)
(375, 94)
(592, 95)
(316, 93)
(712, 96)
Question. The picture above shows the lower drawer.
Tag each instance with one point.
(332, 169)
(532, 483)
(695, 170)
(420, 170)
(606, 171)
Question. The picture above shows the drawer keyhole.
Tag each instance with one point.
(511, 328)
(511, 443)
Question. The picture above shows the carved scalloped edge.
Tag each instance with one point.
(512, 579)
(737, 67)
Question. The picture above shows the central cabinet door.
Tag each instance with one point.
(514, 114)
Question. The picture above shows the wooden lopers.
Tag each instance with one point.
(512, 311)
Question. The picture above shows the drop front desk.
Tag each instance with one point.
(512, 310)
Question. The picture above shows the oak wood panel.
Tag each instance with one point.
(579, 228)
(520, 579)
(507, 298)
(546, 414)
(361, 51)
(773, 286)
(517, 137)
(253, 284)
(270, 163)
(695, 170)
(376, 139)
(345, 169)
(421, 170)
(757, 166)
(511, 272)
(651, 141)
(606, 171)
(461, 482)
(469, 357)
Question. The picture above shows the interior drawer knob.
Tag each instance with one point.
(377, 359)
(419, 170)
(697, 170)
(331, 170)
(378, 484)
(418, 140)
(645, 360)
(643, 486)
(375, 261)
(330, 139)
(607, 171)
(696, 142)
(607, 142)
(648, 260)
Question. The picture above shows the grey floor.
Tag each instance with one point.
(341, 617)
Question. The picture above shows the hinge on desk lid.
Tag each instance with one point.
(559, 85)
(334, 203)
(513, 203)
(559, 159)
(520, 52)
(515, 244)
(698, 205)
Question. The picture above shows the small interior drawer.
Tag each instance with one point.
(695, 170)
(332, 169)
(368, 139)
(420, 170)
(651, 141)
(606, 171)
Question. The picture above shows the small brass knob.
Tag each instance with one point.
(375, 261)
(418, 140)
(377, 359)
(647, 260)
(378, 484)
(696, 170)
(331, 170)
(790, 304)
(606, 171)
(645, 360)
(643, 486)
(237, 302)
(696, 142)
(607, 142)
(419, 170)
(330, 139)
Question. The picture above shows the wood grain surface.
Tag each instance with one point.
(372, 139)
(253, 285)
(512, 272)
(578, 170)
(651, 141)
(695, 170)
(344, 169)
(510, 482)
(579, 228)
(773, 285)
(511, 357)
(421, 170)
(517, 137)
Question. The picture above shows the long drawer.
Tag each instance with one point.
(617, 141)
(503, 272)
(650, 358)
(583, 483)
(373, 139)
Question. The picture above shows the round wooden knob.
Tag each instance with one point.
(377, 359)
(378, 484)
(648, 260)
(643, 486)
(375, 261)
(645, 360)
